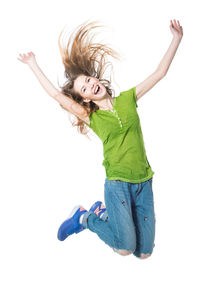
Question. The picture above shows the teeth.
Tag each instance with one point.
(97, 89)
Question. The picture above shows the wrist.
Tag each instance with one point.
(32, 64)
(177, 38)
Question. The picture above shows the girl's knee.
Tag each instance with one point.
(123, 252)
(142, 256)
(128, 246)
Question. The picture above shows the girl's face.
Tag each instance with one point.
(89, 88)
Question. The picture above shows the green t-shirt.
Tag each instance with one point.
(123, 146)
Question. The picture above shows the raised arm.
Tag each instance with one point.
(177, 32)
(30, 60)
(66, 102)
(163, 67)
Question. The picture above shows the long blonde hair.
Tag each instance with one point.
(82, 57)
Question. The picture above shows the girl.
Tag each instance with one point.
(127, 222)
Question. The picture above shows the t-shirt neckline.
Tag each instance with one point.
(108, 110)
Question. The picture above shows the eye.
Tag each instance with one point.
(88, 79)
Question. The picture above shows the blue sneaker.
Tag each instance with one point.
(72, 224)
(98, 208)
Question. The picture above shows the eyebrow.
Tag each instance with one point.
(83, 85)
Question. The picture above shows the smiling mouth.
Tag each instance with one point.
(97, 89)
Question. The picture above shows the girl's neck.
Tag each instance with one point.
(106, 103)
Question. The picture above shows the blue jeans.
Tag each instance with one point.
(129, 220)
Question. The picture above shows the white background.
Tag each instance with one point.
(47, 167)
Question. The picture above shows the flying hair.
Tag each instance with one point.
(81, 56)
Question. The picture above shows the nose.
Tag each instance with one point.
(92, 86)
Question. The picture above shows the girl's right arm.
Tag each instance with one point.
(70, 105)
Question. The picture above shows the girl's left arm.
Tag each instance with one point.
(163, 67)
(177, 32)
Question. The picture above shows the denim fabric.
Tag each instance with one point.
(129, 220)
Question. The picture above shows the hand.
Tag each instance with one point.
(27, 59)
(176, 29)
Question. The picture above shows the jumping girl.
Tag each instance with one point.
(127, 221)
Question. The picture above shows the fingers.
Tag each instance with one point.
(175, 23)
(179, 26)
(21, 57)
(24, 56)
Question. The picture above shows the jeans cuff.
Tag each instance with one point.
(104, 216)
(85, 217)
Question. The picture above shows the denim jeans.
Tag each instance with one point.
(129, 220)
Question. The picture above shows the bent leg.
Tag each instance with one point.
(122, 252)
(142, 256)
(118, 230)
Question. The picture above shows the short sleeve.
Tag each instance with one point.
(131, 93)
(86, 124)
(89, 125)
(134, 96)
